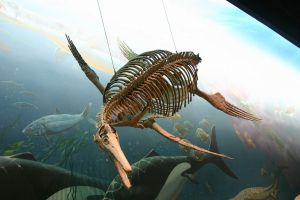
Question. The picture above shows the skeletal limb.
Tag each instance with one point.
(85, 67)
(218, 101)
(135, 121)
(150, 123)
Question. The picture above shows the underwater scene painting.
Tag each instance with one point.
(146, 100)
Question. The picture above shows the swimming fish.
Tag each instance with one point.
(202, 135)
(24, 105)
(11, 85)
(28, 93)
(205, 124)
(297, 197)
(261, 193)
(53, 124)
(181, 129)
(176, 117)
(188, 124)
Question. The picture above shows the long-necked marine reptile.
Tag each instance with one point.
(150, 85)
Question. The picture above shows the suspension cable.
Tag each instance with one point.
(106, 36)
(169, 25)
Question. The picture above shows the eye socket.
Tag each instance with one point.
(101, 135)
(105, 140)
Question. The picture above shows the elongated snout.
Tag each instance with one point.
(108, 140)
(116, 152)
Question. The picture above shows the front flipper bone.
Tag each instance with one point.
(150, 123)
(218, 101)
(91, 74)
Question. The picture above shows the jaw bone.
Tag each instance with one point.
(110, 143)
(122, 173)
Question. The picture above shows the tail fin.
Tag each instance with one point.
(217, 160)
(86, 110)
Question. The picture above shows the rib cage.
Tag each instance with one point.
(135, 68)
(159, 80)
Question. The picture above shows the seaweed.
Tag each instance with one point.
(12, 149)
(49, 151)
(70, 148)
(17, 147)
(67, 146)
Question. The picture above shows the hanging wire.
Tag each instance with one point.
(169, 25)
(106, 36)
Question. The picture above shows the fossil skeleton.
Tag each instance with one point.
(151, 85)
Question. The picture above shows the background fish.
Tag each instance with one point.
(188, 124)
(202, 135)
(11, 85)
(205, 124)
(261, 193)
(28, 93)
(181, 129)
(24, 105)
(176, 117)
(57, 123)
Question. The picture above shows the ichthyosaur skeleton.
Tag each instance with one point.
(151, 85)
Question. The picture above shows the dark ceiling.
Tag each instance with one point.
(283, 16)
